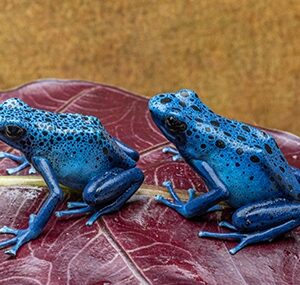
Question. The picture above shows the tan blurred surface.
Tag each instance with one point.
(241, 56)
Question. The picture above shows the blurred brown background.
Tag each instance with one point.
(241, 56)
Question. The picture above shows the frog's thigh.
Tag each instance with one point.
(296, 172)
(265, 215)
(118, 184)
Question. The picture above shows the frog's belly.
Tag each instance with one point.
(77, 175)
(249, 186)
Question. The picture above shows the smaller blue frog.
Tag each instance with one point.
(71, 149)
(240, 164)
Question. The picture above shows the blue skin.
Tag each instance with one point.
(240, 165)
(73, 150)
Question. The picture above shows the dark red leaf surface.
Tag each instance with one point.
(144, 243)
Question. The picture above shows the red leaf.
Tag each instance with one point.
(145, 242)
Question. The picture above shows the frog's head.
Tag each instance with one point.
(175, 114)
(13, 126)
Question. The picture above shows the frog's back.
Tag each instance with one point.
(246, 159)
(78, 146)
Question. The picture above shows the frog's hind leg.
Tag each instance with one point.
(260, 222)
(23, 163)
(104, 195)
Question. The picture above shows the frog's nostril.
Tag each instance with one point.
(184, 93)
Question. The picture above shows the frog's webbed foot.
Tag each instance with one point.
(176, 156)
(21, 237)
(23, 163)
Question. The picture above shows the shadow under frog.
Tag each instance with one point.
(73, 150)
(240, 164)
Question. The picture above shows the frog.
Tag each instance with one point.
(241, 165)
(69, 149)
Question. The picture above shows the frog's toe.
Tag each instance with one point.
(11, 252)
(159, 198)
(177, 157)
(245, 239)
(233, 236)
(171, 150)
(227, 225)
(32, 170)
(170, 188)
(8, 230)
(93, 218)
(22, 166)
(174, 205)
(192, 194)
(72, 205)
(79, 211)
(8, 242)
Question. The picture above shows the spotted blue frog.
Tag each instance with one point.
(240, 165)
(71, 149)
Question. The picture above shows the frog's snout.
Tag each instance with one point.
(152, 104)
(159, 103)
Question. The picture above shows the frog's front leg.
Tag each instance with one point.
(202, 204)
(128, 150)
(258, 222)
(23, 163)
(104, 195)
(36, 222)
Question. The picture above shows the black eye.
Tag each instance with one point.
(175, 125)
(14, 132)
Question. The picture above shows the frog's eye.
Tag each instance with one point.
(175, 125)
(14, 132)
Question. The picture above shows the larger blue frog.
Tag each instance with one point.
(240, 164)
(71, 149)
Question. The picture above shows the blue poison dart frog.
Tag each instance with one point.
(71, 149)
(240, 164)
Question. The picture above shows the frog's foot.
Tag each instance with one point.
(196, 205)
(23, 163)
(176, 156)
(251, 238)
(176, 204)
(243, 238)
(31, 170)
(21, 237)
